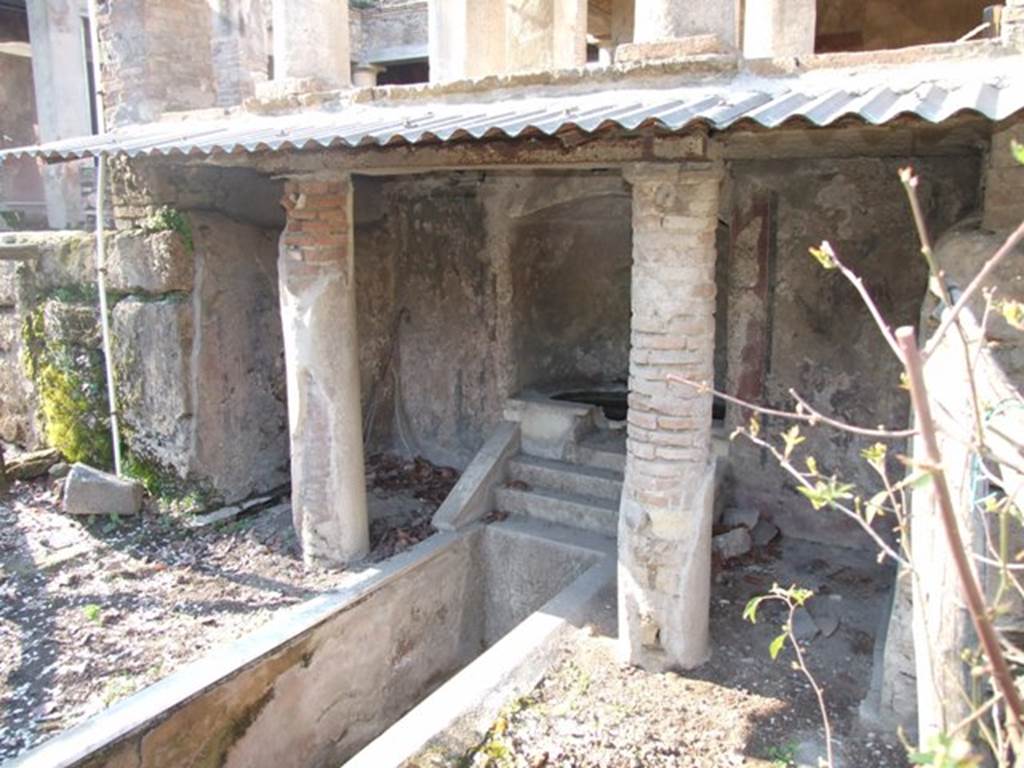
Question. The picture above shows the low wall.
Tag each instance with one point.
(317, 684)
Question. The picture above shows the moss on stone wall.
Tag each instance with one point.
(61, 357)
(167, 218)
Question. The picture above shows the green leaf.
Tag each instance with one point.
(875, 455)
(824, 494)
(1018, 151)
(874, 506)
(812, 466)
(755, 425)
(776, 646)
(1013, 313)
(791, 437)
(825, 255)
(750, 612)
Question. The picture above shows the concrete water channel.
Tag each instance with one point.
(443, 634)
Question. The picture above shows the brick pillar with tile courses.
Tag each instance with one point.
(318, 310)
(665, 519)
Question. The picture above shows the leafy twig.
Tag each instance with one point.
(794, 598)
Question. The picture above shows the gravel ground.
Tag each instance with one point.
(93, 610)
(740, 709)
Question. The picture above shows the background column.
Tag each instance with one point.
(657, 20)
(311, 41)
(60, 74)
(318, 310)
(665, 518)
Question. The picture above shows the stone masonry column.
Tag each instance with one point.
(665, 517)
(60, 76)
(1013, 23)
(318, 311)
(774, 28)
(311, 41)
(657, 20)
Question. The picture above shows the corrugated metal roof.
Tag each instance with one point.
(993, 88)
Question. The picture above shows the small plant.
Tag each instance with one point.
(793, 598)
(117, 688)
(944, 751)
(93, 613)
(169, 219)
(175, 497)
(782, 756)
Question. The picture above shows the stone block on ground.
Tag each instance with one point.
(732, 543)
(59, 470)
(89, 491)
(764, 533)
(222, 515)
(827, 622)
(804, 628)
(737, 516)
(31, 465)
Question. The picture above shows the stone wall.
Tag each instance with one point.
(480, 288)
(197, 349)
(380, 32)
(195, 320)
(571, 254)
(147, 72)
(48, 343)
(792, 325)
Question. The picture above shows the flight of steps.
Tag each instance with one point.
(581, 493)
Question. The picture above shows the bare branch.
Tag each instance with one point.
(950, 315)
(972, 592)
(812, 416)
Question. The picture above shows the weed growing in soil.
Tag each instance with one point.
(782, 756)
(93, 612)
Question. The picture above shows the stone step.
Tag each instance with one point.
(585, 512)
(603, 449)
(551, 475)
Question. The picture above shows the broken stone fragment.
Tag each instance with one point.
(804, 628)
(735, 517)
(763, 533)
(60, 469)
(31, 465)
(732, 543)
(89, 491)
(826, 617)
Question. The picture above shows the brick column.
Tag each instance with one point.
(665, 518)
(318, 310)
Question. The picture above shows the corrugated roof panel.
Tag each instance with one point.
(934, 92)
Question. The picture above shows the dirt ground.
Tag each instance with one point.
(740, 709)
(92, 610)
